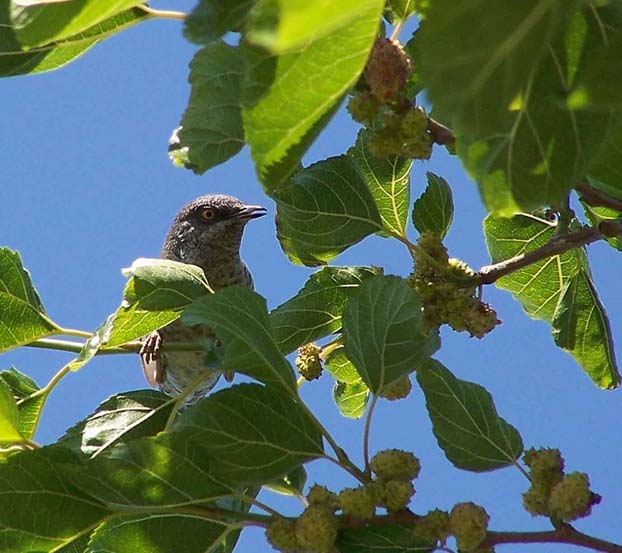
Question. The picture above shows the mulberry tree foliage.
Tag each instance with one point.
(526, 94)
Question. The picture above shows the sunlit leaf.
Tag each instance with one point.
(351, 398)
(465, 421)
(22, 387)
(9, 415)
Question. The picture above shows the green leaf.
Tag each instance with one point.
(165, 471)
(40, 509)
(293, 25)
(9, 415)
(384, 333)
(499, 81)
(239, 317)
(39, 23)
(304, 91)
(605, 169)
(253, 434)
(581, 326)
(292, 483)
(340, 367)
(211, 127)
(121, 418)
(598, 214)
(22, 317)
(388, 180)
(211, 19)
(15, 60)
(538, 286)
(465, 421)
(158, 533)
(399, 10)
(599, 31)
(324, 209)
(21, 387)
(382, 538)
(434, 209)
(316, 310)
(351, 398)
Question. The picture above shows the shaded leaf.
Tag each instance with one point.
(465, 421)
(399, 10)
(211, 127)
(388, 180)
(351, 398)
(239, 317)
(121, 418)
(211, 19)
(40, 509)
(434, 209)
(581, 327)
(503, 96)
(598, 214)
(253, 434)
(304, 91)
(22, 317)
(292, 483)
(21, 387)
(605, 169)
(323, 210)
(316, 310)
(9, 415)
(158, 533)
(15, 60)
(166, 471)
(382, 538)
(384, 333)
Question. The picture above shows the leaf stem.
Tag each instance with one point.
(162, 14)
(77, 333)
(367, 430)
(129, 347)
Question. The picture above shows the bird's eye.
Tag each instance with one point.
(208, 214)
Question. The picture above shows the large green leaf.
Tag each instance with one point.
(253, 434)
(40, 509)
(121, 418)
(164, 471)
(211, 127)
(40, 23)
(581, 326)
(211, 19)
(384, 332)
(159, 533)
(22, 387)
(9, 415)
(382, 538)
(434, 209)
(16, 60)
(286, 25)
(465, 421)
(351, 399)
(303, 91)
(499, 79)
(316, 310)
(323, 210)
(22, 317)
(539, 285)
(605, 169)
(239, 317)
(388, 180)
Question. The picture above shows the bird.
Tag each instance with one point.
(206, 232)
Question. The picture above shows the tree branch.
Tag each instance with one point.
(440, 133)
(559, 244)
(596, 198)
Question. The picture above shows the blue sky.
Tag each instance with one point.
(86, 187)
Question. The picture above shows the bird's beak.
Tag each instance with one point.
(250, 212)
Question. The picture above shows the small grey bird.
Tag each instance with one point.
(206, 232)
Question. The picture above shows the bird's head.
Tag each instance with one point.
(208, 227)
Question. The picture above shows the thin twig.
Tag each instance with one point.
(440, 133)
(367, 430)
(596, 198)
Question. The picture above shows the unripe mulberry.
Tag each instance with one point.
(433, 526)
(536, 500)
(398, 389)
(397, 494)
(320, 495)
(468, 523)
(546, 465)
(572, 498)
(308, 361)
(363, 108)
(357, 502)
(387, 69)
(395, 464)
(316, 529)
(281, 535)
